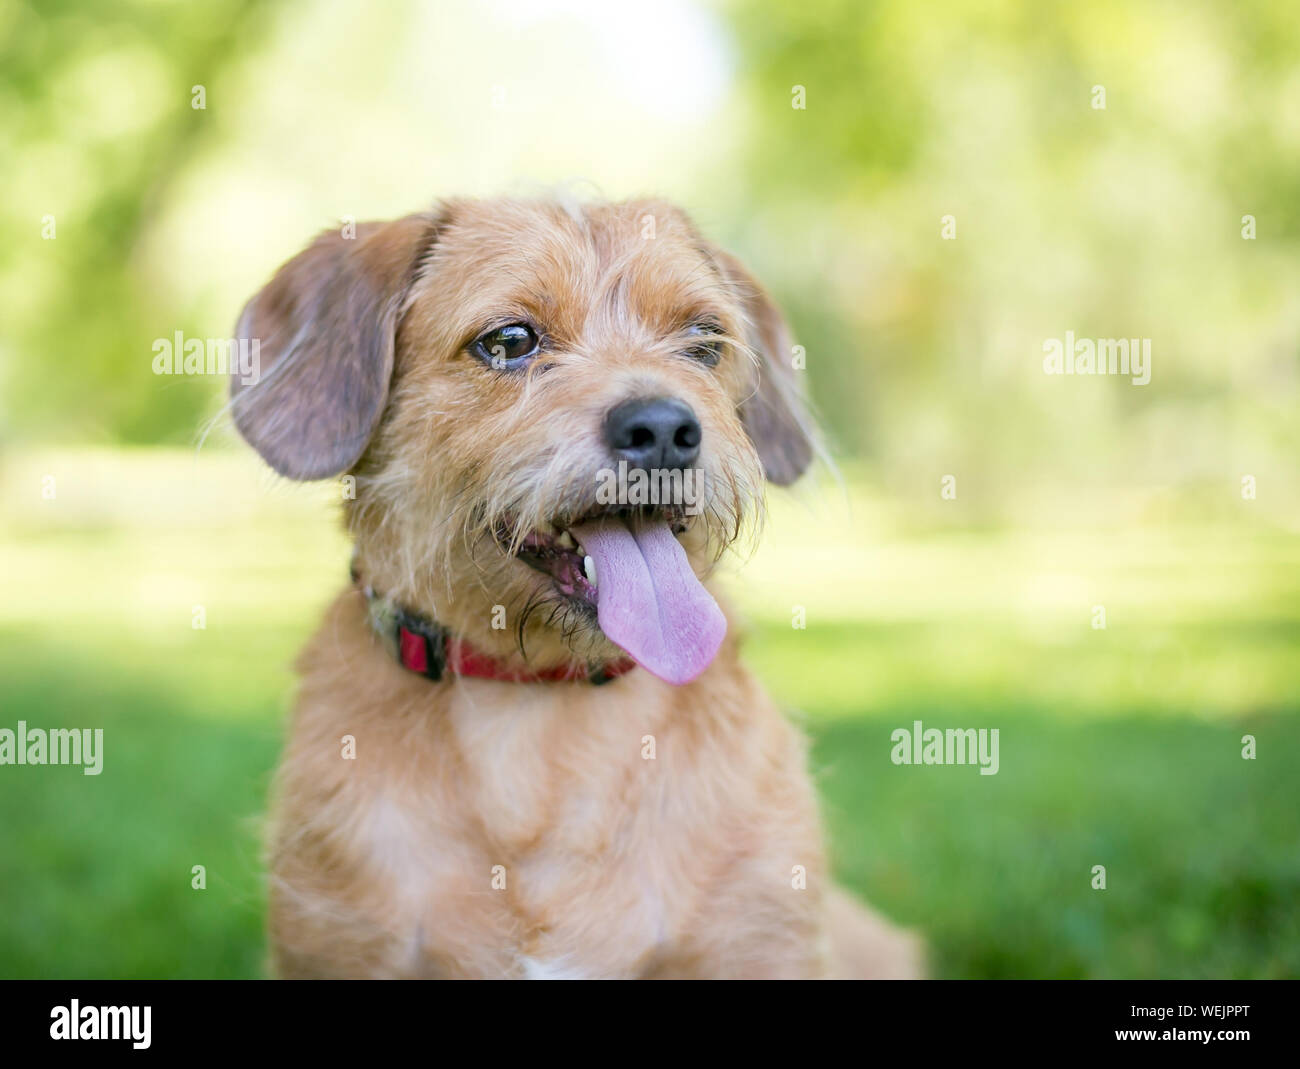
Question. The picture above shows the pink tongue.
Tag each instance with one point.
(648, 600)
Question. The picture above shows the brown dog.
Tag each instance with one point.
(524, 744)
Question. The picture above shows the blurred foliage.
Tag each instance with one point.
(96, 129)
(1117, 222)
(924, 354)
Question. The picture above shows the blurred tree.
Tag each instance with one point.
(932, 191)
(96, 125)
(936, 193)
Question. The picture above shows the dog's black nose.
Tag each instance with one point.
(660, 433)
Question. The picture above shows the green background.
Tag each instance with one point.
(1120, 746)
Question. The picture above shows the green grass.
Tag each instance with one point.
(1202, 878)
(1118, 747)
(95, 871)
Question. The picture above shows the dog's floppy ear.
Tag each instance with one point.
(326, 326)
(774, 415)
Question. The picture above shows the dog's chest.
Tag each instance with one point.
(552, 853)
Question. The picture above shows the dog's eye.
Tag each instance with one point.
(706, 342)
(506, 347)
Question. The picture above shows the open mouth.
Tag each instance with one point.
(556, 551)
(628, 564)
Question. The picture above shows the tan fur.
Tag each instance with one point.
(492, 829)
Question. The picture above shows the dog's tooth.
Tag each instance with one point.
(565, 540)
(589, 570)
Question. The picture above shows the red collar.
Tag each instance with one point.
(421, 645)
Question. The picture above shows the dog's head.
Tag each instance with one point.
(555, 416)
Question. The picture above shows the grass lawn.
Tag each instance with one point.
(1119, 747)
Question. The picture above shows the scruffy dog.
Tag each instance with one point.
(524, 744)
